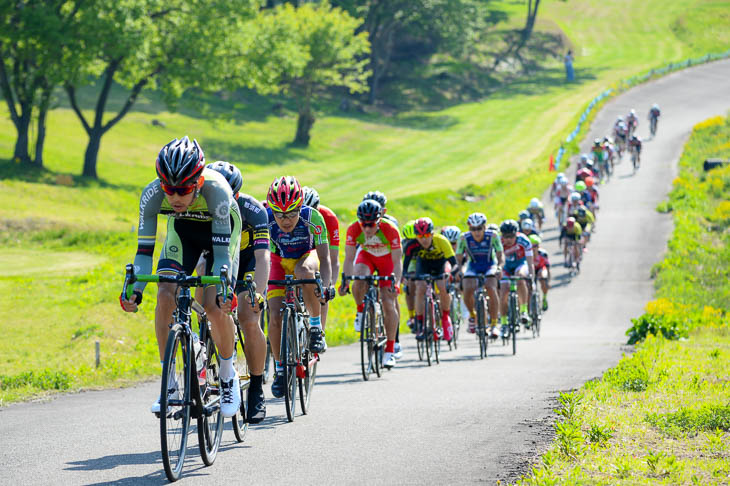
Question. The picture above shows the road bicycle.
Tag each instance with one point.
(372, 327)
(430, 344)
(481, 301)
(535, 306)
(298, 362)
(185, 392)
(573, 263)
(653, 120)
(635, 158)
(455, 312)
(513, 312)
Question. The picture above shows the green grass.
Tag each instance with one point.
(79, 234)
(662, 415)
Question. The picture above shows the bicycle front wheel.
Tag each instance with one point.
(513, 321)
(268, 364)
(535, 312)
(210, 422)
(240, 425)
(367, 341)
(306, 384)
(455, 313)
(482, 326)
(175, 402)
(289, 355)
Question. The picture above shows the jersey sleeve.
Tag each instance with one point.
(497, 243)
(254, 213)
(391, 233)
(353, 231)
(318, 228)
(444, 245)
(218, 195)
(149, 207)
(461, 245)
(333, 226)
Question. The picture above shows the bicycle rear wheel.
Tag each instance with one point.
(240, 425)
(175, 403)
(289, 355)
(210, 421)
(513, 320)
(481, 326)
(306, 382)
(534, 311)
(367, 350)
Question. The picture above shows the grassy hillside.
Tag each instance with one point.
(79, 236)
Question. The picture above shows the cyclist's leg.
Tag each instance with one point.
(522, 287)
(470, 285)
(275, 294)
(305, 268)
(163, 314)
(248, 319)
(335, 262)
(491, 286)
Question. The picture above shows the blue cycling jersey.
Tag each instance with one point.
(309, 232)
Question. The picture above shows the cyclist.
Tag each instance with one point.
(537, 212)
(542, 268)
(299, 246)
(253, 259)
(582, 189)
(483, 250)
(585, 218)
(632, 122)
(654, 114)
(574, 202)
(409, 245)
(452, 233)
(572, 230)
(518, 262)
(593, 191)
(202, 216)
(523, 215)
(380, 251)
(310, 198)
(635, 144)
(435, 250)
(562, 193)
(527, 227)
(619, 134)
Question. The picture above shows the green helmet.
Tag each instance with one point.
(580, 186)
(409, 231)
(534, 239)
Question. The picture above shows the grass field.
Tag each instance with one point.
(662, 415)
(68, 243)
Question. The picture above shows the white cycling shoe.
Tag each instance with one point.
(388, 360)
(173, 393)
(358, 320)
(230, 396)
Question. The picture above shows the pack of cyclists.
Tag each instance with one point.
(212, 224)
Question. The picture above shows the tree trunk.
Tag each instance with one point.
(20, 153)
(305, 122)
(92, 153)
(42, 114)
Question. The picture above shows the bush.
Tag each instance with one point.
(704, 418)
(42, 380)
(656, 324)
(628, 376)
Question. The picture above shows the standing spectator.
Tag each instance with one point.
(569, 73)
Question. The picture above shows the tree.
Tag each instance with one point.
(171, 46)
(303, 51)
(35, 39)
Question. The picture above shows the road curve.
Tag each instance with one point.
(463, 421)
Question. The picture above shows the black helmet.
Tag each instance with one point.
(524, 214)
(509, 227)
(230, 172)
(369, 211)
(310, 197)
(180, 162)
(376, 196)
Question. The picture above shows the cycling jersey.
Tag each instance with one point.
(586, 220)
(575, 233)
(481, 253)
(538, 211)
(654, 113)
(433, 257)
(635, 143)
(410, 247)
(516, 254)
(386, 239)
(332, 224)
(309, 232)
(541, 260)
(254, 223)
(211, 223)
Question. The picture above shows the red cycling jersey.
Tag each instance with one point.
(333, 225)
(386, 239)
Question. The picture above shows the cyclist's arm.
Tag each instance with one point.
(348, 264)
(397, 269)
(323, 252)
(263, 264)
(218, 195)
(460, 249)
(149, 206)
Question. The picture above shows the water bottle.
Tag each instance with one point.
(301, 335)
(200, 358)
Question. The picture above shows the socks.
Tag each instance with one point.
(256, 382)
(360, 307)
(279, 366)
(227, 372)
(523, 308)
(503, 320)
(389, 346)
(315, 322)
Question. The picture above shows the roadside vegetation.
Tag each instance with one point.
(662, 415)
(444, 139)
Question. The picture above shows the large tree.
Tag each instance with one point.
(36, 37)
(303, 51)
(169, 45)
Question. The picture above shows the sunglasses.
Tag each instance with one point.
(288, 215)
(476, 228)
(368, 225)
(426, 235)
(181, 190)
(509, 237)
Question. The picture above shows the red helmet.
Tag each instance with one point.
(590, 181)
(423, 227)
(285, 194)
(570, 223)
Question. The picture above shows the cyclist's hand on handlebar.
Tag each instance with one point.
(343, 289)
(259, 303)
(228, 305)
(131, 304)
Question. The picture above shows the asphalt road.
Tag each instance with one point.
(463, 421)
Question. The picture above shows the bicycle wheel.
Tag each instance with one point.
(268, 364)
(289, 352)
(309, 373)
(481, 325)
(175, 409)
(421, 347)
(210, 421)
(240, 425)
(428, 329)
(455, 312)
(513, 321)
(379, 340)
(535, 311)
(439, 330)
(367, 350)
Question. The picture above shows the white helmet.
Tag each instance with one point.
(534, 203)
(476, 219)
(574, 197)
(655, 106)
(584, 157)
(563, 181)
(619, 118)
(451, 233)
(527, 225)
(310, 197)
(632, 112)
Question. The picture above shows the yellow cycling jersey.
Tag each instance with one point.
(440, 249)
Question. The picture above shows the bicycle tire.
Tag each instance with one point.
(436, 340)
(210, 427)
(421, 347)
(239, 421)
(513, 321)
(455, 313)
(378, 335)
(289, 351)
(268, 364)
(366, 342)
(305, 381)
(428, 329)
(175, 422)
(481, 326)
